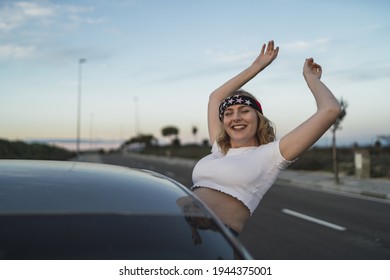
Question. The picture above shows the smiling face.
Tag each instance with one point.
(240, 123)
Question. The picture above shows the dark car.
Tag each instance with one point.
(72, 210)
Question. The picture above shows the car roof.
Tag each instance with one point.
(75, 210)
(34, 186)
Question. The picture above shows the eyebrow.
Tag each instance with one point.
(240, 107)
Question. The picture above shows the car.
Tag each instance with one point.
(68, 210)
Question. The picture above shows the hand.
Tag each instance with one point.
(311, 69)
(266, 55)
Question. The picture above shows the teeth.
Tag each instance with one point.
(239, 127)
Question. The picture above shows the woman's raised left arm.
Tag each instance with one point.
(306, 134)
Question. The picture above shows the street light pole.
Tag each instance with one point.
(81, 61)
(136, 116)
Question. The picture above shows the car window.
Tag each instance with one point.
(111, 237)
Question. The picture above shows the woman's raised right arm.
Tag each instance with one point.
(267, 55)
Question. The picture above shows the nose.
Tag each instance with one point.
(236, 116)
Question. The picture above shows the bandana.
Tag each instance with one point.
(239, 100)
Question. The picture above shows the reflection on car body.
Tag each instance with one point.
(73, 210)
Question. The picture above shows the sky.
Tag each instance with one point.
(151, 64)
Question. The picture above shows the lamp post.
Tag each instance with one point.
(136, 116)
(81, 61)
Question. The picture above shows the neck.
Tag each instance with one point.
(241, 144)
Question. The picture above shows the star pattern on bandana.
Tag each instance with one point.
(236, 100)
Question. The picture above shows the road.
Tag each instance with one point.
(294, 223)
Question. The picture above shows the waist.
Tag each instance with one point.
(246, 197)
(228, 209)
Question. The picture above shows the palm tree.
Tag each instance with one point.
(169, 131)
(334, 128)
(194, 132)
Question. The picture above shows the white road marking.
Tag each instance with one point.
(312, 219)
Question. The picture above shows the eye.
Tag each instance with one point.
(228, 113)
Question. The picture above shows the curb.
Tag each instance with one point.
(382, 196)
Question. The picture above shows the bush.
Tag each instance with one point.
(21, 150)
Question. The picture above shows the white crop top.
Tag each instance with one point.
(245, 173)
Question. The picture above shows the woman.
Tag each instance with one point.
(246, 158)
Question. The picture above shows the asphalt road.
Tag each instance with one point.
(293, 223)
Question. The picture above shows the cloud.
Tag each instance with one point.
(320, 44)
(28, 29)
(77, 15)
(231, 56)
(78, 9)
(363, 72)
(34, 9)
(18, 13)
(15, 51)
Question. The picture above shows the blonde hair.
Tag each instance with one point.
(265, 129)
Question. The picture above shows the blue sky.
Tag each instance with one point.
(153, 63)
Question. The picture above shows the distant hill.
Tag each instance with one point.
(22, 150)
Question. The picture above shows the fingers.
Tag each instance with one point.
(309, 62)
(318, 68)
(276, 52)
(312, 68)
(270, 47)
(262, 49)
(312, 65)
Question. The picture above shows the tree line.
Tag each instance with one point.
(170, 131)
(22, 150)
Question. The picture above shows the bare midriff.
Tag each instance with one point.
(229, 209)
